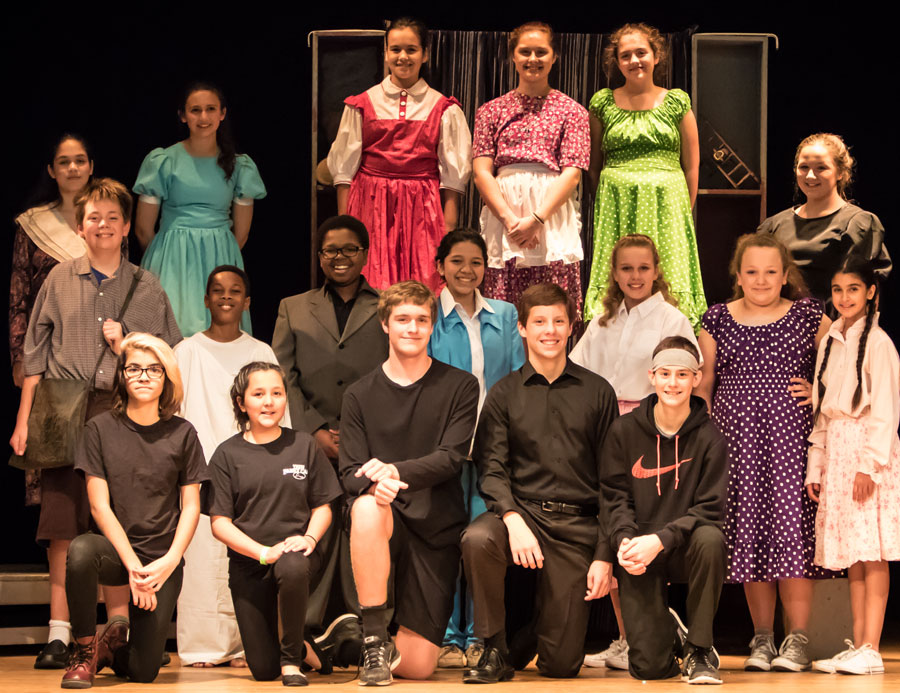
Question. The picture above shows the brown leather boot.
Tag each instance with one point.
(112, 639)
(82, 666)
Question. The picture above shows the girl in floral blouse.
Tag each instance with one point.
(530, 147)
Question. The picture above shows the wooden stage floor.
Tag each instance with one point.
(18, 677)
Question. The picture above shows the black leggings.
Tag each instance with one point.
(92, 560)
(262, 593)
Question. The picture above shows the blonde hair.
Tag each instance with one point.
(793, 289)
(654, 38)
(840, 155)
(614, 295)
(173, 390)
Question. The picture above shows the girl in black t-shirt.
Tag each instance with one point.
(143, 467)
(269, 503)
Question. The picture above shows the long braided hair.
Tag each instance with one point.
(858, 266)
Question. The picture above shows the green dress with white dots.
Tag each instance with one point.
(642, 189)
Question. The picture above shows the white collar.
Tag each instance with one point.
(449, 304)
(417, 90)
(643, 308)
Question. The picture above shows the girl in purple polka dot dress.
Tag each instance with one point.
(758, 353)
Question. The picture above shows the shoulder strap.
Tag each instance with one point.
(134, 283)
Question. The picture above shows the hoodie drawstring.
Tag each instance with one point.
(658, 487)
(676, 462)
(658, 484)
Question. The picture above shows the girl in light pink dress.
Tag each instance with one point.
(855, 458)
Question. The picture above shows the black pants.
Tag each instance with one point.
(93, 561)
(568, 544)
(334, 585)
(650, 629)
(262, 593)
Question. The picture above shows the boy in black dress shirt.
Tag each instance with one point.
(664, 494)
(406, 429)
(538, 455)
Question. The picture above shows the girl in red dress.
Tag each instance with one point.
(400, 162)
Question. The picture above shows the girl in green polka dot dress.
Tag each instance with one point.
(644, 161)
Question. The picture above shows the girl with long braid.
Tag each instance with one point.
(854, 459)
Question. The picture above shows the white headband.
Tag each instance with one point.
(675, 357)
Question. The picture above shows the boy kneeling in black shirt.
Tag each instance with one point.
(664, 519)
(406, 429)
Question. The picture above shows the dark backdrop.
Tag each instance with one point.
(115, 74)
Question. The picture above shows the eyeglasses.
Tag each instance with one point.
(154, 372)
(347, 251)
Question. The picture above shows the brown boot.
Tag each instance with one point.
(82, 666)
(112, 639)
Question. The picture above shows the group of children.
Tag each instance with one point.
(395, 451)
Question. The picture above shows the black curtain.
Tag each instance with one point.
(473, 67)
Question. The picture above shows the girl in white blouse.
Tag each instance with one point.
(618, 344)
(401, 161)
(854, 460)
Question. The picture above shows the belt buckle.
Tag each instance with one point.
(549, 506)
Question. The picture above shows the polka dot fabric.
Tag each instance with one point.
(769, 519)
(642, 189)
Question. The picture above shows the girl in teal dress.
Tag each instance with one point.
(206, 191)
(645, 158)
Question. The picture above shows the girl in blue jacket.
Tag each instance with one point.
(478, 335)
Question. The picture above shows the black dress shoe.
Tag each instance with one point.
(491, 668)
(342, 641)
(55, 655)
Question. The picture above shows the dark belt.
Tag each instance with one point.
(564, 508)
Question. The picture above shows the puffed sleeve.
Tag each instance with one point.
(812, 310)
(868, 240)
(711, 318)
(881, 367)
(676, 104)
(153, 178)
(484, 135)
(599, 102)
(247, 183)
(575, 139)
(346, 150)
(454, 150)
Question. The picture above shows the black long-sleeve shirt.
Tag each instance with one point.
(425, 430)
(542, 441)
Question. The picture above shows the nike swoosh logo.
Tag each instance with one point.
(638, 471)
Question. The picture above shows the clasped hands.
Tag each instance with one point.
(385, 480)
(524, 232)
(526, 552)
(637, 553)
(146, 580)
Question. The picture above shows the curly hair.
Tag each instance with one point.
(656, 40)
(614, 295)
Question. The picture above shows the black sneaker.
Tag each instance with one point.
(698, 667)
(380, 658)
(342, 640)
(55, 655)
(681, 640)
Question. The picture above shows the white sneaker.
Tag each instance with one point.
(865, 660)
(617, 651)
(793, 655)
(451, 657)
(827, 666)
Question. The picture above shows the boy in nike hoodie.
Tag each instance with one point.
(663, 489)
